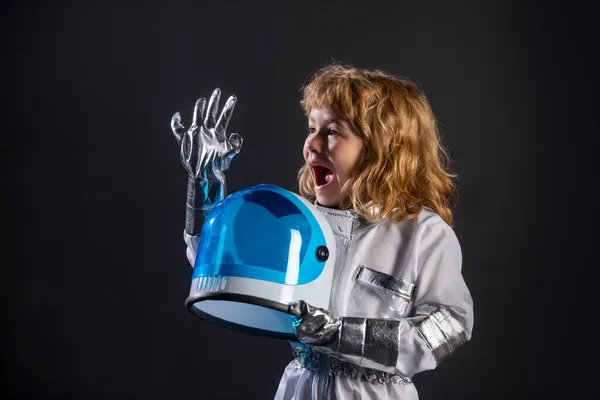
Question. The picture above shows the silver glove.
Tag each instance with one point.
(206, 153)
(366, 342)
(313, 325)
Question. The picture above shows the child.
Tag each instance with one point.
(399, 304)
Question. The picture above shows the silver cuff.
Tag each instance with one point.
(382, 342)
(371, 343)
(202, 196)
(442, 332)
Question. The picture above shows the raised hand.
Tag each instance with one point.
(206, 153)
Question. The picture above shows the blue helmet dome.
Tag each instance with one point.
(261, 249)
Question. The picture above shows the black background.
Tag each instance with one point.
(94, 267)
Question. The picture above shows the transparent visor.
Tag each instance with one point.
(264, 233)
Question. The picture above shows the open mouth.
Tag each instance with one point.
(323, 175)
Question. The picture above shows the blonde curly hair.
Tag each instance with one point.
(403, 166)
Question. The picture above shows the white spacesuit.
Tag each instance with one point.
(405, 306)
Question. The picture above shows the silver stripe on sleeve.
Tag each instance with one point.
(351, 339)
(372, 343)
(442, 332)
(382, 340)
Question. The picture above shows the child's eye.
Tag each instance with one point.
(333, 132)
(311, 130)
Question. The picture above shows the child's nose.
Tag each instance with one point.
(314, 143)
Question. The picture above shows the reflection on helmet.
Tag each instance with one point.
(270, 239)
(261, 249)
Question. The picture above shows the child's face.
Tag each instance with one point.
(331, 149)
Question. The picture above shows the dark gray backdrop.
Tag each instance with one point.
(95, 274)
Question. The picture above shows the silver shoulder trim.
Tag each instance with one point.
(442, 332)
(396, 286)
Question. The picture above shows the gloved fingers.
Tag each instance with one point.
(177, 127)
(223, 122)
(210, 116)
(313, 325)
(299, 308)
(199, 110)
(234, 145)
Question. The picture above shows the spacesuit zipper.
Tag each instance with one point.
(338, 273)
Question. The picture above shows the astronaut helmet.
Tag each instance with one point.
(260, 250)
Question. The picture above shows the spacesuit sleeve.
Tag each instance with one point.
(441, 321)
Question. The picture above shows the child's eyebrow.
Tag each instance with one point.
(331, 120)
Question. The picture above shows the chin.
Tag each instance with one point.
(326, 202)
